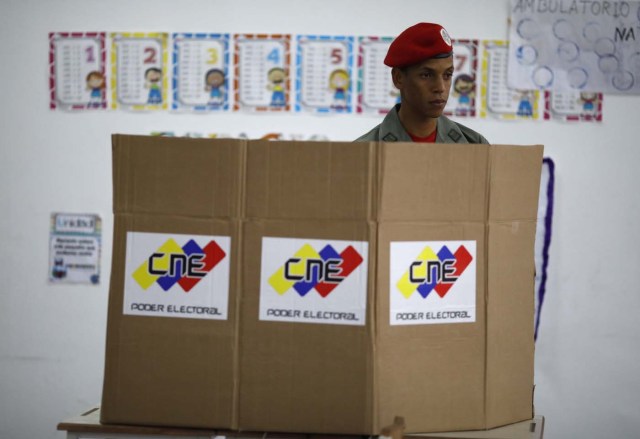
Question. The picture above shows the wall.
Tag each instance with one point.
(52, 337)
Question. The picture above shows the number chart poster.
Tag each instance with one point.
(575, 46)
(262, 72)
(573, 106)
(376, 92)
(139, 71)
(200, 72)
(77, 64)
(496, 97)
(462, 98)
(324, 67)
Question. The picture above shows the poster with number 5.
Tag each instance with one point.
(77, 77)
(324, 67)
(262, 68)
(462, 98)
(139, 71)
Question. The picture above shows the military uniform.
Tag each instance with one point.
(391, 130)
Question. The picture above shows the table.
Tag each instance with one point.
(88, 426)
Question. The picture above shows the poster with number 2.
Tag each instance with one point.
(139, 71)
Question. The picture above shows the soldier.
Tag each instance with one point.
(421, 61)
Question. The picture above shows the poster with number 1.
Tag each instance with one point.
(200, 72)
(324, 66)
(139, 71)
(262, 72)
(77, 77)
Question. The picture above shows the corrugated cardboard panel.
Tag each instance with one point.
(515, 181)
(309, 180)
(302, 377)
(179, 176)
(510, 344)
(431, 374)
(162, 370)
(514, 187)
(433, 182)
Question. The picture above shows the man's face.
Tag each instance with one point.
(424, 87)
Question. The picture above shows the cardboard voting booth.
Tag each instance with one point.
(321, 287)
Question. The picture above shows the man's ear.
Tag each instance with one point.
(397, 75)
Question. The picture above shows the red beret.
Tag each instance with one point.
(418, 43)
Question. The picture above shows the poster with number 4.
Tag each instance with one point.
(324, 66)
(77, 78)
(261, 74)
(200, 72)
(139, 71)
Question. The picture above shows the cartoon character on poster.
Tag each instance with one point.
(339, 84)
(275, 83)
(153, 81)
(464, 88)
(589, 101)
(215, 85)
(95, 85)
(525, 107)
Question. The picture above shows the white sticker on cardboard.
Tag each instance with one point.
(432, 282)
(314, 281)
(173, 275)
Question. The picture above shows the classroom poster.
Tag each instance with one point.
(77, 76)
(376, 92)
(462, 97)
(139, 71)
(324, 73)
(497, 98)
(262, 72)
(573, 106)
(200, 72)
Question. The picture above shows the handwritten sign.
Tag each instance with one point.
(575, 45)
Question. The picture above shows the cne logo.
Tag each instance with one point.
(309, 269)
(434, 271)
(171, 264)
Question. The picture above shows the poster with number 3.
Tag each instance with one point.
(139, 71)
(77, 78)
(324, 74)
(262, 72)
(200, 72)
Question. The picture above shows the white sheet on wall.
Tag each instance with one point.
(575, 45)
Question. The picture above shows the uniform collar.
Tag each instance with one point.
(391, 130)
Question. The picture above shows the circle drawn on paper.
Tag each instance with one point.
(608, 64)
(591, 32)
(604, 47)
(634, 62)
(562, 30)
(526, 55)
(568, 51)
(577, 77)
(623, 80)
(528, 29)
(542, 77)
